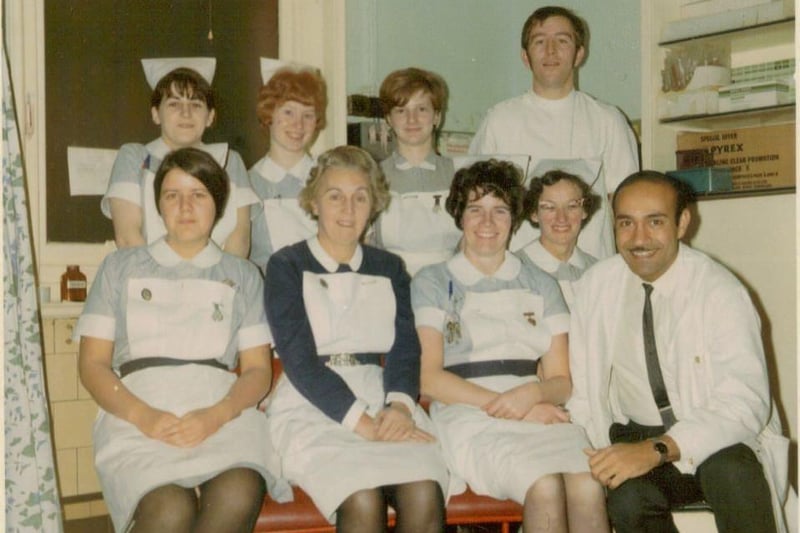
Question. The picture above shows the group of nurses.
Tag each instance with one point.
(343, 420)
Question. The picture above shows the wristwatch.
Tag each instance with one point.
(661, 449)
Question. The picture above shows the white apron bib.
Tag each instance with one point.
(417, 227)
(287, 222)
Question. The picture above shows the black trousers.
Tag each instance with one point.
(731, 481)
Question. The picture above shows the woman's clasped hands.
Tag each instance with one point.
(186, 431)
(519, 403)
(393, 423)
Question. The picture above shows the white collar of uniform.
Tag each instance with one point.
(166, 256)
(329, 263)
(548, 262)
(549, 102)
(401, 163)
(272, 171)
(467, 274)
(667, 282)
(219, 151)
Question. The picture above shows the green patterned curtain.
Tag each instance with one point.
(32, 502)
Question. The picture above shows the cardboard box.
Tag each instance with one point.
(693, 159)
(759, 158)
(708, 179)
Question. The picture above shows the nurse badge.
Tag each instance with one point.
(437, 205)
(217, 316)
(452, 329)
(146, 295)
(530, 316)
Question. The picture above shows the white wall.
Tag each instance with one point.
(474, 45)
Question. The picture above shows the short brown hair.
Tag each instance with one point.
(399, 86)
(590, 200)
(543, 13)
(184, 82)
(501, 179)
(304, 85)
(200, 165)
(350, 157)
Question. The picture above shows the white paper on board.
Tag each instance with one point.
(89, 170)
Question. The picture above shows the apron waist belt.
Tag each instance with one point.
(482, 369)
(147, 362)
(352, 359)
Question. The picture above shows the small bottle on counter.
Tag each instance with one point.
(73, 285)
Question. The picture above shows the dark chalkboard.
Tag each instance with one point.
(97, 95)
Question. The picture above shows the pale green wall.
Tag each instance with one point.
(474, 44)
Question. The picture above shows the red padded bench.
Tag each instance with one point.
(302, 516)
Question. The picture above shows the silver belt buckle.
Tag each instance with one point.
(342, 359)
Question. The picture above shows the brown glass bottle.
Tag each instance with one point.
(73, 285)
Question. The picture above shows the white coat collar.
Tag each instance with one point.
(219, 151)
(166, 256)
(666, 283)
(328, 262)
(467, 274)
(565, 102)
(401, 163)
(273, 172)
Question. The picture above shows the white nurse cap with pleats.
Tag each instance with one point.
(270, 66)
(157, 68)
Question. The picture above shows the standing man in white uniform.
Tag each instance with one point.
(555, 121)
(669, 377)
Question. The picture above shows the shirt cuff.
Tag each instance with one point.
(403, 398)
(350, 420)
(254, 335)
(92, 325)
(430, 316)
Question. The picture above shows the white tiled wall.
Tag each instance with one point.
(73, 413)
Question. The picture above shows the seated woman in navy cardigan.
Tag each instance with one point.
(348, 430)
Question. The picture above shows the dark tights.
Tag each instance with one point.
(228, 502)
(419, 506)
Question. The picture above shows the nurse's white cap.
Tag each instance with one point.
(270, 66)
(157, 68)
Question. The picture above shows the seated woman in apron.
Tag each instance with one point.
(291, 109)
(348, 431)
(182, 105)
(416, 226)
(559, 204)
(494, 360)
(179, 444)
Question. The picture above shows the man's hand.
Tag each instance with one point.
(614, 465)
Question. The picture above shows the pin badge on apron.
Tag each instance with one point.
(452, 326)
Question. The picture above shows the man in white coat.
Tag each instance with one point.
(669, 377)
(553, 120)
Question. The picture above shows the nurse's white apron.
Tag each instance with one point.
(417, 227)
(287, 222)
(189, 320)
(153, 225)
(496, 457)
(353, 313)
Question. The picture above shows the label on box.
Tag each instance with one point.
(759, 158)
